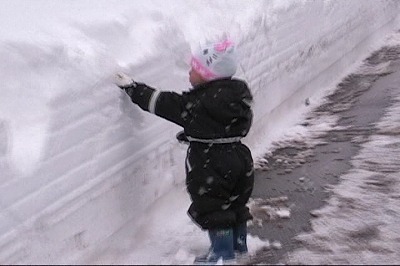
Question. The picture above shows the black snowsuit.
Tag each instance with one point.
(219, 168)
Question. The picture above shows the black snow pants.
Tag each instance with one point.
(219, 179)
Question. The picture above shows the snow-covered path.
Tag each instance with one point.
(334, 155)
(360, 223)
(83, 171)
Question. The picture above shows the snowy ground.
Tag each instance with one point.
(88, 178)
(341, 233)
(298, 170)
(359, 224)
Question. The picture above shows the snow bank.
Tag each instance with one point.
(78, 161)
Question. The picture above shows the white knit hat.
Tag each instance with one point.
(215, 60)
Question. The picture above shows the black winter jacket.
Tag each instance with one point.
(213, 110)
(215, 116)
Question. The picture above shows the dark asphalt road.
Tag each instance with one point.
(302, 172)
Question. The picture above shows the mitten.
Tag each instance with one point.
(124, 81)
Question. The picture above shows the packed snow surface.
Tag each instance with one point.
(87, 177)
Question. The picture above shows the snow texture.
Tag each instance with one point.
(359, 224)
(85, 176)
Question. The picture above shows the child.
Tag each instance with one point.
(215, 115)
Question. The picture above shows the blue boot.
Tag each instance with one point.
(240, 238)
(221, 247)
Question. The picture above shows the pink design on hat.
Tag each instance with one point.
(221, 47)
(202, 70)
(215, 60)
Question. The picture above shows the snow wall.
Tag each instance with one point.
(78, 161)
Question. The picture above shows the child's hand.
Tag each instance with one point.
(124, 81)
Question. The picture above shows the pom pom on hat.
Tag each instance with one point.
(215, 60)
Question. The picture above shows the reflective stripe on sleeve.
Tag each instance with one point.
(153, 101)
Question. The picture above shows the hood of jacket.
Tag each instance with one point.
(219, 109)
